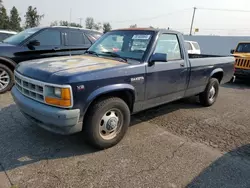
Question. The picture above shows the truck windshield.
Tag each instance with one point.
(126, 44)
(18, 38)
(243, 48)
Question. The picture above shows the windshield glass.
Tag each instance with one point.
(243, 47)
(126, 44)
(18, 38)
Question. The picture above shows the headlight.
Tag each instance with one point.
(57, 92)
(58, 96)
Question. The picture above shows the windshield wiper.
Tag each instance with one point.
(112, 54)
(91, 52)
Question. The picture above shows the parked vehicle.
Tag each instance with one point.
(4, 34)
(242, 60)
(192, 47)
(41, 42)
(97, 92)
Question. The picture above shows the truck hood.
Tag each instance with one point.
(43, 69)
(241, 55)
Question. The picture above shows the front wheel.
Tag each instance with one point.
(106, 122)
(210, 94)
(6, 78)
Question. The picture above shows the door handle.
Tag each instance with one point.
(182, 65)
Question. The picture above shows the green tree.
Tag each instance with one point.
(4, 19)
(106, 27)
(15, 20)
(97, 26)
(54, 23)
(65, 23)
(89, 23)
(75, 25)
(32, 17)
(133, 26)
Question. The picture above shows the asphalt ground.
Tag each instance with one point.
(181, 144)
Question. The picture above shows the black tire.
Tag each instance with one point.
(205, 95)
(11, 76)
(92, 123)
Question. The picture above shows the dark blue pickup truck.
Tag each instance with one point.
(124, 72)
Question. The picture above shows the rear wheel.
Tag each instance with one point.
(210, 94)
(6, 78)
(106, 122)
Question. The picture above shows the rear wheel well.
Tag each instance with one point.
(218, 76)
(126, 95)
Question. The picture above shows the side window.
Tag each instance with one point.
(93, 36)
(75, 38)
(188, 46)
(48, 37)
(87, 41)
(196, 45)
(2, 36)
(169, 44)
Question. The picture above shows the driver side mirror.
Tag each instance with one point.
(232, 51)
(34, 43)
(158, 57)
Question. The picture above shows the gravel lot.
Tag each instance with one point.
(177, 145)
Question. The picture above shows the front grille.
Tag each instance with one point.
(30, 88)
(242, 63)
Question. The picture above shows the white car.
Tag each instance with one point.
(4, 34)
(192, 47)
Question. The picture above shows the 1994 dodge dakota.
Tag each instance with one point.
(123, 72)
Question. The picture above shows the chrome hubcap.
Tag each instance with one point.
(110, 124)
(212, 93)
(4, 79)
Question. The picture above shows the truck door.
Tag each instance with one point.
(167, 80)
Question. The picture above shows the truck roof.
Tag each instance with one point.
(68, 27)
(147, 29)
(79, 28)
(243, 42)
(7, 31)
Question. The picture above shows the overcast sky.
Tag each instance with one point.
(175, 14)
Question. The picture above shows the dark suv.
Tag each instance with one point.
(41, 42)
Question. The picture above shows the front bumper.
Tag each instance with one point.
(53, 119)
(242, 73)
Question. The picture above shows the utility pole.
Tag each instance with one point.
(192, 22)
(80, 21)
(70, 16)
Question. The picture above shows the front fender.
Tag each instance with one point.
(12, 63)
(107, 89)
